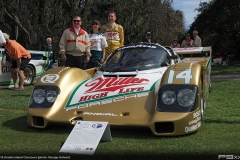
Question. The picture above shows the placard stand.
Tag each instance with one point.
(85, 137)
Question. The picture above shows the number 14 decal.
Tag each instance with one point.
(186, 75)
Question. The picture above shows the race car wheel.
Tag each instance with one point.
(28, 75)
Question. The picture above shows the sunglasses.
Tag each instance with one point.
(174, 40)
(95, 24)
(76, 20)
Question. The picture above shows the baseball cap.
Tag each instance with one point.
(188, 34)
(148, 33)
(195, 31)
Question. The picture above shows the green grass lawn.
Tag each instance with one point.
(219, 133)
(233, 68)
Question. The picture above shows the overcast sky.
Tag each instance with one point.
(188, 7)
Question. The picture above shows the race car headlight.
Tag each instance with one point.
(168, 97)
(39, 96)
(51, 96)
(43, 96)
(177, 98)
(186, 97)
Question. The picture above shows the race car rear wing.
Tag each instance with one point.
(194, 51)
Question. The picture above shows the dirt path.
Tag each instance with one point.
(225, 77)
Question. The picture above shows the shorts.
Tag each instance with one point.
(23, 65)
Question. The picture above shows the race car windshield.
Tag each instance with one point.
(131, 58)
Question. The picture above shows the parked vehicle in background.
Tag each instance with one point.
(35, 69)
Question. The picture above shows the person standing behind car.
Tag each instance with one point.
(187, 42)
(21, 58)
(51, 57)
(197, 42)
(175, 44)
(148, 38)
(98, 45)
(113, 32)
(75, 45)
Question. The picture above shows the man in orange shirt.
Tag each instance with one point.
(21, 58)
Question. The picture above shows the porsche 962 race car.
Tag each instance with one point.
(139, 85)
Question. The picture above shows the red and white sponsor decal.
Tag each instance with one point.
(190, 49)
(111, 34)
(103, 88)
(94, 42)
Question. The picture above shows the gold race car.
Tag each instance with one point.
(139, 85)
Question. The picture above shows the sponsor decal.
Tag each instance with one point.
(193, 127)
(189, 49)
(6, 69)
(93, 42)
(195, 120)
(196, 114)
(97, 125)
(111, 34)
(113, 84)
(99, 114)
(50, 78)
(109, 100)
(137, 46)
(195, 123)
(99, 91)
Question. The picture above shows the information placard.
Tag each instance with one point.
(85, 137)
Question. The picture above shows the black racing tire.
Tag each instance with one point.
(29, 74)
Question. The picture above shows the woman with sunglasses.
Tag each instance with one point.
(98, 45)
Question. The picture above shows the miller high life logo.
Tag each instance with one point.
(110, 85)
(113, 84)
(99, 88)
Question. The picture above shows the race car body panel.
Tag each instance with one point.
(139, 85)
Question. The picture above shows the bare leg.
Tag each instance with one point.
(14, 77)
(21, 79)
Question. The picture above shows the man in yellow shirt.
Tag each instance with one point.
(21, 58)
(114, 34)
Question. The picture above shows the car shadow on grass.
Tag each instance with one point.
(20, 124)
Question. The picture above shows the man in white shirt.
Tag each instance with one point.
(197, 42)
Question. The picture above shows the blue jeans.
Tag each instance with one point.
(50, 65)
